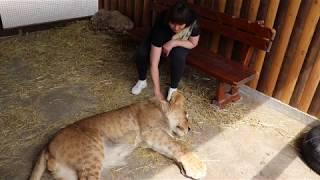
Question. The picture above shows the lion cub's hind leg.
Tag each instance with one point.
(61, 171)
(91, 167)
(91, 161)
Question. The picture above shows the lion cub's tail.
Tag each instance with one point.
(40, 166)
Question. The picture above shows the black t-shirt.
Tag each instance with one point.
(162, 33)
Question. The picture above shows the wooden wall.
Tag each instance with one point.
(290, 72)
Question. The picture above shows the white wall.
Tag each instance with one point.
(16, 13)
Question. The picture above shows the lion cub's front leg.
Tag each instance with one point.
(161, 142)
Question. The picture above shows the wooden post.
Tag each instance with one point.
(253, 9)
(215, 36)
(122, 6)
(114, 5)
(315, 105)
(236, 13)
(307, 67)
(278, 56)
(106, 4)
(190, 1)
(246, 54)
(129, 8)
(310, 87)
(100, 4)
(271, 15)
(301, 51)
(147, 16)
(137, 12)
(205, 3)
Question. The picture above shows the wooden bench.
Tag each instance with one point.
(229, 73)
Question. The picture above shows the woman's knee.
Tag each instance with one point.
(179, 54)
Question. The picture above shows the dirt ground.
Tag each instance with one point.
(52, 78)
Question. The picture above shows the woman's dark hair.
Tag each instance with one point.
(180, 13)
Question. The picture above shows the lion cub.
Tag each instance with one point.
(83, 149)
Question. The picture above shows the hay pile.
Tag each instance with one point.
(52, 78)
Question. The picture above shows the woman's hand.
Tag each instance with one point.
(158, 95)
(167, 47)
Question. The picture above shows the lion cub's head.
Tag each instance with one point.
(177, 116)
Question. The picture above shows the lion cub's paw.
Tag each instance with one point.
(193, 167)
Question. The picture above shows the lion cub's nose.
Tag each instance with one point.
(189, 128)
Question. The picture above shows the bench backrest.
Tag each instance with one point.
(253, 34)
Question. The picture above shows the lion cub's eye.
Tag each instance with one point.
(179, 127)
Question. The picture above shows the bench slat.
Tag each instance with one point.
(235, 34)
(219, 67)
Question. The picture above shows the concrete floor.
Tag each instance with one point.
(263, 151)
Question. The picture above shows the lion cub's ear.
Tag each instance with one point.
(177, 99)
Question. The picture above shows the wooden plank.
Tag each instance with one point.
(214, 47)
(236, 13)
(106, 4)
(245, 55)
(100, 4)
(253, 10)
(278, 56)
(315, 105)
(271, 15)
(147, 13)
(301, 51)
(205, 3)
(114, 5)
(122, 6)
(291, 49)
(138, 4)
(282, 9)
(306, 68)
(129, 8)
(244, 37)
(219, 67)
(310, 87)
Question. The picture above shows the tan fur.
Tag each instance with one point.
(83, 149)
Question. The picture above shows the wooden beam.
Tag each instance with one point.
(278, 56)
(122, 6)
(315, 105)
(253, 10)
(106, 4)
(307, 67)
(236, 13)
(310, 87)
(301, 51)
(269, 21)
(245, 55)
(190, 1)
(129, 8)
(114, 5)
(214, 46)
(147, 16)
(100, 4)
(138, 4)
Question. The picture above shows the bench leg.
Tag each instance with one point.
(235, 93)
(224, 97)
